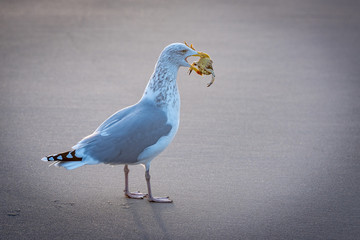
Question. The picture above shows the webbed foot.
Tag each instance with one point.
(135, 195)
(159, 199)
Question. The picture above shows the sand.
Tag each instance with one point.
(269, 151)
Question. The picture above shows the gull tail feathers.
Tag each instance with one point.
(68, 160)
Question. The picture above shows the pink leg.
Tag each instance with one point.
(149, 196)
(136, 195)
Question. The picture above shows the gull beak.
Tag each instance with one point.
(201, 54)
(193, 53)
(196, 53)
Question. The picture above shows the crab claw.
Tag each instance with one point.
(191, 68)
(212, 79)
(191, 46)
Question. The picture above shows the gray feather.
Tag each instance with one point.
(124, 135)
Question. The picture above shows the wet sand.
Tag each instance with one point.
(269, 151)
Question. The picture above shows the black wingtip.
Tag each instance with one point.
(63, 157)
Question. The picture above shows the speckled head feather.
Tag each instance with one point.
(162, 85)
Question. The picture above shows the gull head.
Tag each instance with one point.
(177, 54)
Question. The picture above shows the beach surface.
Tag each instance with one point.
(269, 151)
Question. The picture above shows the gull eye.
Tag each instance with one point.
(183, 51)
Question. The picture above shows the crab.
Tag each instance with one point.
(203, 65)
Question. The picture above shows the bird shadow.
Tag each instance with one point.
(150, 216)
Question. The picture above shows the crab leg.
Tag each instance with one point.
(212, 78)
(195, 69)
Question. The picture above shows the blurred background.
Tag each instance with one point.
(269, 151)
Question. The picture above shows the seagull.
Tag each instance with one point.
(138, 133)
